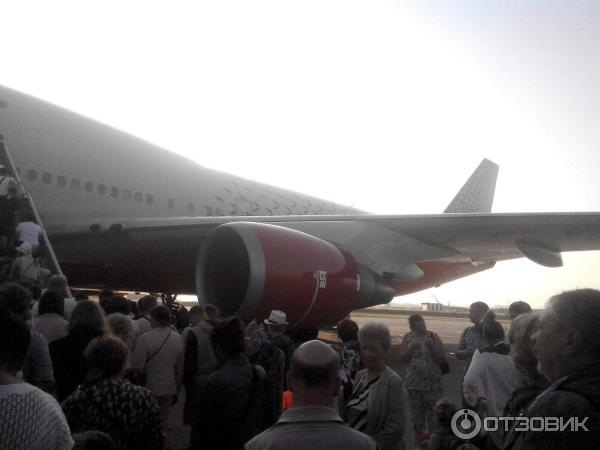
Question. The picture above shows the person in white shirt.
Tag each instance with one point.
(29, 231)
(159, 352)
(29, 418)
(492, 376)
(6, 181)
(50, 323)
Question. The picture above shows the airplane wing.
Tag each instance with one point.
(389, 245)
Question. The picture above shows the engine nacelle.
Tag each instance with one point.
(248, 269)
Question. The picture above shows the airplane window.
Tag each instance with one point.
(61, 181)
(47, 177)
(171, 203)
(32, 175)
(126, 194)
(114, 192)
(138, 197)
(101, 189)
(190, 208)
(89, 186)
(75, 184)
(149, 199)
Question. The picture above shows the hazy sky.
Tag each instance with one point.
(387, 106)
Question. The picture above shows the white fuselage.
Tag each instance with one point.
(78, 170)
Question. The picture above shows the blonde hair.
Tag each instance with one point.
(520, 335)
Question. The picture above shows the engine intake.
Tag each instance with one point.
(248, 269)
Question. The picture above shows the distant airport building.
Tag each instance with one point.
(438, 307)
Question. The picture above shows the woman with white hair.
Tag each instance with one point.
(121, 326)
(377, 404)
(522, 352)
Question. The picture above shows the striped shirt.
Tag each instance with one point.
(358, 405)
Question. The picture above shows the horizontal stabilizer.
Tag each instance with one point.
(477, 194)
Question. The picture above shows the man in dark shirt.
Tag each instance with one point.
(568, 348)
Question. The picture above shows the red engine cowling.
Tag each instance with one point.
(248, 269)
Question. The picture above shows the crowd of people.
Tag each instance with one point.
(76, 373)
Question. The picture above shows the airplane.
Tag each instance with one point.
(126, 214)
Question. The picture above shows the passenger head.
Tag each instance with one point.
(417, 323)
(517, 308)
(122, 327)
(520, 336)
(276, 322)
(490, 329)
(120, 304)
(347, 330)
(227, 339)
(212, 312)
(314, 374)
(16, 299)
(106, 357)
(375, 341)
(443, 411)
(29, 218)
(160, 316)
(51, 302)
(146, 303)
(82, 295)
(568, 337)
(36, 291)
(477, 310)
(58, 283)
(105, 298)
(14, 342)
(197, 314)
(93, 440)
(300, 335)
(105, 293)
(87, 316)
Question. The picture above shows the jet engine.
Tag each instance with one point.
(248, 269)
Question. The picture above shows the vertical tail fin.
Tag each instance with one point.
(477, 194)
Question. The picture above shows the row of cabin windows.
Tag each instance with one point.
(88, 186)
(102, 189)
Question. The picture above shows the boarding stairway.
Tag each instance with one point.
(27, 206)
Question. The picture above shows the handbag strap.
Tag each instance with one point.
(159, 348)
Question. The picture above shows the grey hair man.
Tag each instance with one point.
(312, 423)
(567, 344)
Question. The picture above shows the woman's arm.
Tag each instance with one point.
(406, 350)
